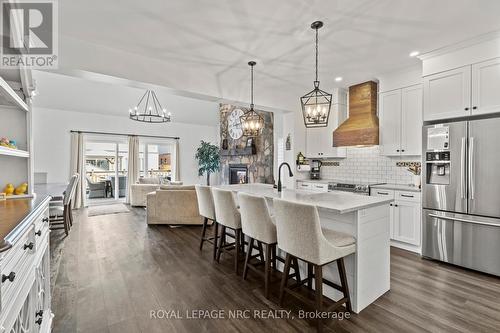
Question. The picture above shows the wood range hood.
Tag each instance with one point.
(361, 128)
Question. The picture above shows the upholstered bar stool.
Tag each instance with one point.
(228, 216)
(300, 235)
(207, 211)
(258, 225)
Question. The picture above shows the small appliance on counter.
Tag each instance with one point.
(315, 172)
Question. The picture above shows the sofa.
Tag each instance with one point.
(173, 204)
(142, 187)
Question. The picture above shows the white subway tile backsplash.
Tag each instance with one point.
(367, 165)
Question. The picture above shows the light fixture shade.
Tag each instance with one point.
(252, 123)
(317, 103)
(149, 110)
(316, 107)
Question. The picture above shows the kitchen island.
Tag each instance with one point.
(365, 218)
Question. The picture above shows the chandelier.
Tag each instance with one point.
(317, 103)
(149, 110)
(251, 122)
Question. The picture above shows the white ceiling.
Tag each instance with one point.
(64, 92)
(208, 43)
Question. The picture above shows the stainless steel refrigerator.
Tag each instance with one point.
(461, 193)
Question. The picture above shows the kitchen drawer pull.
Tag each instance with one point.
(463, 220)
(9, 277)
(39, 313)
(38, 233)
(39, 321)
(45, 219)
(320, 186)
(28, 246)
(304, 185)
(407, 196)
(383, 193)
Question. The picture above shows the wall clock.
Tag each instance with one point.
(234, 124)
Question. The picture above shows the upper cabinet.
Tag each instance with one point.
(485, 83)
(319, 141)
(465, 91)
(400, 117)
(447, 94)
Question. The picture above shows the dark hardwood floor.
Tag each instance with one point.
(115, 269)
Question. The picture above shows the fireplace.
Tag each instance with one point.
(238, 174)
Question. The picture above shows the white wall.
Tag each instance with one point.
(51, 136)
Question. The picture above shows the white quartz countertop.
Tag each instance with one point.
(337, 201)
(397, 187)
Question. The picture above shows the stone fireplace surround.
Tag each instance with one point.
(260, 165)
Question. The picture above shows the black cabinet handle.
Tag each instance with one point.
(474, 108)
(466, 109)
(383, 193)
(9, 277)
(28, 246)
(45, 219)
(39, 313)
(391, 205)
(38, 233)
(38, 321)
(397, 150)
(407, 196)
(402, 150)
(395, 205)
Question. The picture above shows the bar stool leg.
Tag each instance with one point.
(318, 281)
(343, 283)
(295, 264)
(216, 239)
(261, 251)
(309, 275)
(203, 231)
(267, 270)
(247, 259)
(284, 278)
(237, 248)
(222, 241)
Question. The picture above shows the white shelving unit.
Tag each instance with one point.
(13, 152)
(15, 124)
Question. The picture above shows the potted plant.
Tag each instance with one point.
(207, 156)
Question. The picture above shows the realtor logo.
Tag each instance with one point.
(29, 34)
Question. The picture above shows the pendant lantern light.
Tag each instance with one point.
(317, 103)
(252, 123)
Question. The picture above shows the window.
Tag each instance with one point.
(155, 159)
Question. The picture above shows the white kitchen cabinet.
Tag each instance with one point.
(405, 218)
(465, 91)
(319, 141)
(447, 94)
(406, 222)
(400, 118)
(485, 83)
(390, 122)
(411, 120)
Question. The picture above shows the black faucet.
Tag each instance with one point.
(279, 174)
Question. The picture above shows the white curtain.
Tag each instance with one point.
(133, 164)
(77, 166)
(176, 173)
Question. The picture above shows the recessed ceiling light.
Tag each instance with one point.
(414, 53)
(338, 78)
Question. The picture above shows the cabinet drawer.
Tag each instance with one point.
(319, 187)
(377, 192)
(407, 196)
(303, 185)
